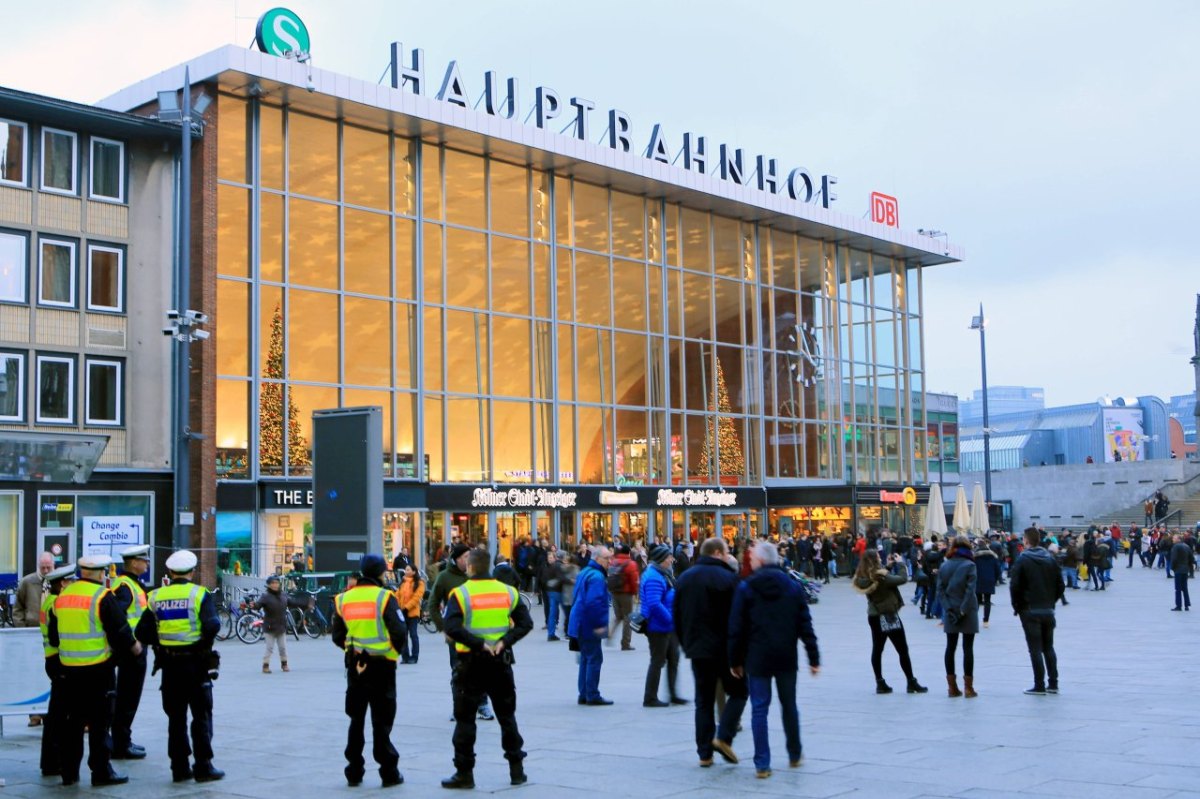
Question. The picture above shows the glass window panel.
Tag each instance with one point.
(591, 217)
(271, 409)
(406, 408)
(312, 156)
(358, 398)
(594, 364)
(541, 206)
(674, 301)
(632, 456)
(466, 269)
(12, 387)
(727, 247)
(233, 231)
(654, 296)
(466, 352)
(406, 342)
(592, 290)
(629, 295)
(270, 256)
(629, 225)
(405, 259)
(675, 359)
(56, 389)
(56, 283)
(106, 284)
(233, 162)
(232, 337)
(58, 160)
(513, 439)
(671, 235)
(431, 181)
(914, 344)
(543, 364)
(593, 443)
(365, 169)
(434, 346)
(543, 284)
(103, 392)
(312, 336)
(233, 428)
(302, 401)
(368, 342)
(630, 368)
(563, 232)
(811, 265)
(783, 259)
(466, 460)
(510, 199)
(108, 169)
(512, 356)
(885, 339)
(698, 376)
(312, 244)
(914, 290)
(566, 362)
(695, 226)
(404, 159)
(432, 262)
(13, 267)
(858, 275)
(654, 234)
(432, 429)
(13, 151)
(727, 301)
(543, 446)
(465, 189)
(697, 302)
(566, 443)
(510, 276)
(731, 390)
(566, 292)
(270, 332)
(366, 249)
(270, 146)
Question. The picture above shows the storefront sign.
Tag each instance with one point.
(727, 163)
(108, 535)
(670, 498)
(281, 32)
(522, 498)
(293, 497)
(906, 497)
(826, 514)
(618, 498)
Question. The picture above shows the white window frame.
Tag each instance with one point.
(24, 298)
(70, 389)
(74, 190)
(120, 198)
(24, 182)
(120, 253)
(41, 268)
(20, 359)
(87, 400)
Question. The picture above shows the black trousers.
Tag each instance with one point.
(985, 600)
(455, 657)
(879, 638)
(131, 676)
(1183, 599)
(708, 674)
(87, 699)
(1039, 637)
(374, 690)
(52, 723)
(477, 677)
(664, 651)
(187, 689)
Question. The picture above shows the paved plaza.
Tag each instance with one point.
(1126, 724)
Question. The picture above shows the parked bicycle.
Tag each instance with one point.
(230, 612)
(309, 620)
(8, 600)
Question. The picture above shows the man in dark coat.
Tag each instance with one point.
(703, 598)
(1183, 560)
(1035, 585)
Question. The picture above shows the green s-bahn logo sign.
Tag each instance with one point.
(281, 32)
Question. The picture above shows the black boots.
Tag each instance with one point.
(516, 774)
(882, 687)
(915, 687)
(460, 780)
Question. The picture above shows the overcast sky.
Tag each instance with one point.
(1056, 142)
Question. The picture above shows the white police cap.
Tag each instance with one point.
(182, 562)
(61, 572)
(141, 552)
(95, 562)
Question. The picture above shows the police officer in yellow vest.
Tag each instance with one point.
(131, 673)
(52, 722)
(367, 625)
(181, 624)
(91, 633)
(484, 618)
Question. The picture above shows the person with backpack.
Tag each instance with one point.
(658, 600)
(623, 585)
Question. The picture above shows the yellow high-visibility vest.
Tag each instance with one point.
(44, 624)
(138, 606)
(81, 639)
(361, 608)
(487, 607)
(177, 610)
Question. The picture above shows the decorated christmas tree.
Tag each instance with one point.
(270, 409)
(721, 431)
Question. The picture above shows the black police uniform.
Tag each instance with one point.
(131, 677)
(187, 686)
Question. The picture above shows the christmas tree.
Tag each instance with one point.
(721, 431)
(270, 409)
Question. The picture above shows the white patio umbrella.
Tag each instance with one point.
(935, 512)
(979, 514)
(962, 513)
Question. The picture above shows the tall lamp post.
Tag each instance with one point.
(978, 323)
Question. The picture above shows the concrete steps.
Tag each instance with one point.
(1134, 514)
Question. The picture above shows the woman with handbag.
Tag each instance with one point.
(957, 578)
(882, 590)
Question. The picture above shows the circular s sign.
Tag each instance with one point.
(281, 32)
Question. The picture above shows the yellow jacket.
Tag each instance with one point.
(409, 597)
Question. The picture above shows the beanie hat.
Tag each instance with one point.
(660, 553)
(372, 566)
(458, 550)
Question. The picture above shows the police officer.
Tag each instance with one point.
(52, 723)
(131, 673)
(90, 632)
(367, 625)
(484, 618)
(181, 624)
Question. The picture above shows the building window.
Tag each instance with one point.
(56, 389)
(56, 273)
(108, 169)
(14, 152)
(60, 161)
(13, 267)
(106, 279)
(12, 387)
(103, 392)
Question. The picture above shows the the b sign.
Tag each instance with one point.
(885, 210)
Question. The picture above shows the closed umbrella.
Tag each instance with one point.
(962, 513)
(979, 514)
(935, 512)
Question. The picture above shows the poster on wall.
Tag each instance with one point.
(108, 535)
(235, 541)
(1123, 435)
(25, 688)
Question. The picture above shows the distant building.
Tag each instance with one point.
(1182, 407)
(1002, 400)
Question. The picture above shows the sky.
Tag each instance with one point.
(1054, 141)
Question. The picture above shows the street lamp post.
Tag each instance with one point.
(978, 323)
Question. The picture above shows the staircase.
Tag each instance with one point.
(1184, 497)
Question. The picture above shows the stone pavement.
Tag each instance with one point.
(1125, 725)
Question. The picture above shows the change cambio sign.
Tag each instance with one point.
(108, 535)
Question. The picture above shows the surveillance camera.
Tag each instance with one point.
(198, 317)
(168, 331)
(312, 87)
(200, 334)
(172, 314)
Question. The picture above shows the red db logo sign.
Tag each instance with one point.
(885, 210)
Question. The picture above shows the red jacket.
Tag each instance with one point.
(629, 571)
(860, 546)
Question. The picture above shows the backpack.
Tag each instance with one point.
(616, 577)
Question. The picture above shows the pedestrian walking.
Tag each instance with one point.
(1035, 585)
(274, 605)
(367, 627)
(657, 597)
(589, 624)
(1183, 562)
(409, 596)
(570, 572)
(181, 624)
(957, 580)
(768, 616)
(131, 671)
(449, 578)
(881, 587)
(623, 586)
(52, 721)
(703, 599)
(485, 618)
(987, 567)
(551, 576)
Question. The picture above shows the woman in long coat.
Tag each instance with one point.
(987, 568)
(957, 579)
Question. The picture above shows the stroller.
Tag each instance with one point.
(812, 588)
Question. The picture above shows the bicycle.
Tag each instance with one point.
(310, 620)
(8, 600)
(230, 612)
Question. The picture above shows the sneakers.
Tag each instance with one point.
(1035, 691)
(284, 666)
(1052, 689)
(725, 750)
(706, 762)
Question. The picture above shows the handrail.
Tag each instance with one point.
(1166, 519)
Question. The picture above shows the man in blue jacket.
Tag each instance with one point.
(769, 614)
(658, 599)
(589, 624)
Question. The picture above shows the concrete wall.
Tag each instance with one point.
(1078, 494)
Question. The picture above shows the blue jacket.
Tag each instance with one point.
(658, 598)
(589, 611)
(769, 614)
